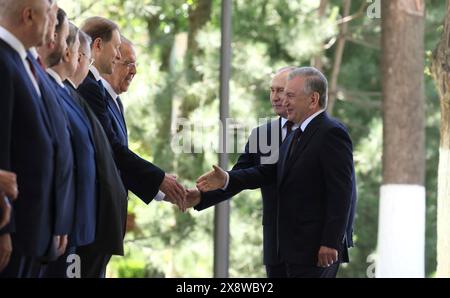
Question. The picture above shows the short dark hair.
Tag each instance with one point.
(61, 16)
(98, 27)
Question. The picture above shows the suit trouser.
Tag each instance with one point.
(93, 265)
(21, 267)
(276, 271)
(302, 271)
(58, 268)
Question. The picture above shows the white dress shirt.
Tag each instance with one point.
(111, 92)
(17, 45)
(57, 77)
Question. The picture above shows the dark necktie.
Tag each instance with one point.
(33, 70)
(288, 126)
(119, 102)
(295, 141)
(39, 60)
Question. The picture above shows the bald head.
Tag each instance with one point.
(26, 19)
(11, 8)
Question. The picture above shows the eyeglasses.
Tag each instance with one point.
(128, 64)
(91, 60)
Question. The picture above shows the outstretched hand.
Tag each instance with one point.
(212, 180)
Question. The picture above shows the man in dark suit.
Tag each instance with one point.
(314, 176)
(84, 225)
(26, 146)
(112, 200)
(140, 176)
(262, 148)
(64, 183)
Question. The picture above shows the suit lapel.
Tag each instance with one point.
(304, 141)
(283, 155)
(78, 111)
(116, 113)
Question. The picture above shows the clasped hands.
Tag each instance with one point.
(188, 198)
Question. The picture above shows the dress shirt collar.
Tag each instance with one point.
(13, 42)
(95, 72)
(309, 119)
(110, 89)
(56, 76)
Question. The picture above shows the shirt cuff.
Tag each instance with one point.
(160, 196)
(227, 181)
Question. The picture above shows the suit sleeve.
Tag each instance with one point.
(140, 176)
(337, 165)
(212, 198)
(6, 114)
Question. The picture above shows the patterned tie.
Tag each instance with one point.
(288, 126)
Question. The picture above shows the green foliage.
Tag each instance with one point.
(176, 81)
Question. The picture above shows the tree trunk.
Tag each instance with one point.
(338, 57)
(318, 59)
(401, 234)
(199, 15)
(441, 75)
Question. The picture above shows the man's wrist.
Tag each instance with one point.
(227, 181)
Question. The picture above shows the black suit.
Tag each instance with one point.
(112, 201)
(315, 192)
(26, 148)
(248, 159)
(139, 176)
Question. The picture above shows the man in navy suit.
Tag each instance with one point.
(112, 199)
(83, 232)
(314, 176)
(64, 188)
(140, 176)
(27, 147)
(261, 148)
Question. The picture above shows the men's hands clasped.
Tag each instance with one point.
(186, 198)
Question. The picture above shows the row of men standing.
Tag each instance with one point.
(63, 133)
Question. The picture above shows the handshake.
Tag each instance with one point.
(187, 198)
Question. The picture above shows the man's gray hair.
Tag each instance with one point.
(285, 69)
(73, 35)
(315, 81)
(85, 40)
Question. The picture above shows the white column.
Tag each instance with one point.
(401, 232)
